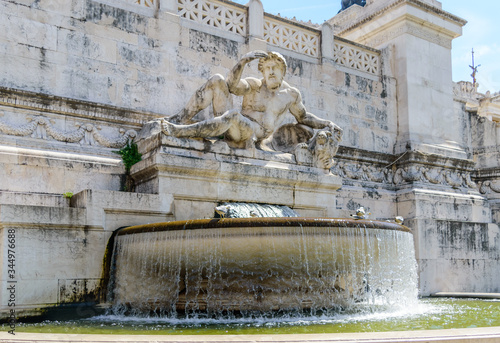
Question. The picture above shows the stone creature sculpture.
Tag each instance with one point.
(360, 214)
(223, 210)
(265, 102)
(399, 220)
(348, 3)
(227, 211)
(323, 147)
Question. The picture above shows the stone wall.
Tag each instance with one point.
(124, 56)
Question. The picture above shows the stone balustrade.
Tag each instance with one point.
(218, 14)
(290, 36)
(251, 21)
(356, 56)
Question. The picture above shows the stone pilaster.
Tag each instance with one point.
(327, 49)
(421, 33)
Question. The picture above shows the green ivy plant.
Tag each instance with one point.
(68, 195)
(130, 155)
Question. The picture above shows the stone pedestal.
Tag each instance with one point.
(193, 176)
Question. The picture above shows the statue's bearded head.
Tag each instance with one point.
(273, 67)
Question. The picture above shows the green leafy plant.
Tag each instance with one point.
(130, 155)
(68, 195)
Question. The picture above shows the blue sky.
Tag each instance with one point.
(482, 32)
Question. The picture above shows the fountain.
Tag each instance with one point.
(413, 146)
(262, 265)
(259, 264)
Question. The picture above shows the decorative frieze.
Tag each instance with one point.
(41, 127)
(369, 172)
(291, 37)
(363, 172)
(486, 187)
(216, 14)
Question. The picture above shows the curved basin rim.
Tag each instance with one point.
(261, 222)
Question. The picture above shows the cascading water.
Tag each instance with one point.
(222, 267)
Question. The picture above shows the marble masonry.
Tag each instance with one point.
(371, 119)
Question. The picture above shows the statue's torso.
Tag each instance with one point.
(267, 108)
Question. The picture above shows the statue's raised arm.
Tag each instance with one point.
(306, 118)
(237, 85)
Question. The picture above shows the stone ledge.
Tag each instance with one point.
(73, 107)
(466, 295)
(218, 151)
(478, 335)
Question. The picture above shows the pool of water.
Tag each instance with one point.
(429, 314)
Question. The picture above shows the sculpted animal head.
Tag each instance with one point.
(323, 147)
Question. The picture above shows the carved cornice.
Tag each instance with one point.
(410, 26)
(487, 173)
(352, 24)
(40, 102)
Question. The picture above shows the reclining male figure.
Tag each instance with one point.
(265, 102)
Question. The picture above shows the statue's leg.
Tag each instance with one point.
(215, 91)
(242, 130)
(208, 128)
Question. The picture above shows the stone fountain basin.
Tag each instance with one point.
(258, 264)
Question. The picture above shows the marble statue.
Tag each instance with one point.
(266, 100)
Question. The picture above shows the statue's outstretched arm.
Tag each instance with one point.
(237, 85)
(303, 117)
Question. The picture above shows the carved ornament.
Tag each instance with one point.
(41, 127)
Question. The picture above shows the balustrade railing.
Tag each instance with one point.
(221, 15)
(292, 37)
(228, 16)
(356, 57)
